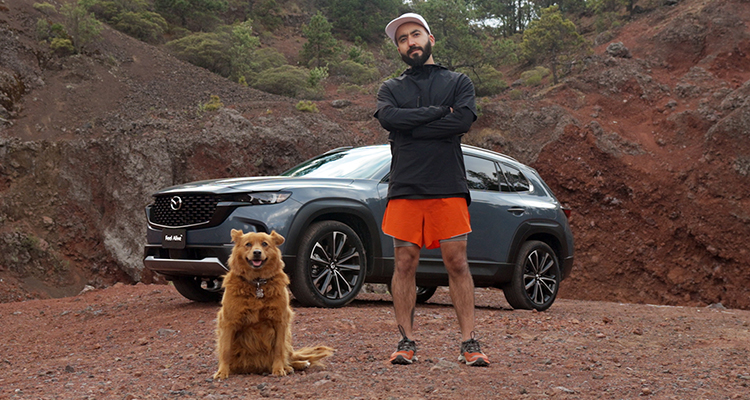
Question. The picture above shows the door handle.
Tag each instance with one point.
(517, 210)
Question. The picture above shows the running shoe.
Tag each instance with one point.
(406, 353)
(472, 355)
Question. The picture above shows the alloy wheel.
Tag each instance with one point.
(539, 276)
(336, 265)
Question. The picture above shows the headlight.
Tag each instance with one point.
(263, 197)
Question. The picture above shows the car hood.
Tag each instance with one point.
(254, 184)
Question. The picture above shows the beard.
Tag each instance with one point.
(418, 60)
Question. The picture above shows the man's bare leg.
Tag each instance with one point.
(404, 286)
(461, 284)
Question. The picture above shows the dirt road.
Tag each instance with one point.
(147, 342)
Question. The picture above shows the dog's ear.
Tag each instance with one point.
(236, 235)
(277, 239)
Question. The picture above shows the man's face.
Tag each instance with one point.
(414, 44)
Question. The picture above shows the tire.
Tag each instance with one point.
(536, 278)
(331, 266)
(424, 293)
(193, 288)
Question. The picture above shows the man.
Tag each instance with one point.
(426, 110)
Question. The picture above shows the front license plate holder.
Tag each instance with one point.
(173, 238)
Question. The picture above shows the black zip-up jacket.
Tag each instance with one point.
(425, 135)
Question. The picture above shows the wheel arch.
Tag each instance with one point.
(352, 213)
(543, 231)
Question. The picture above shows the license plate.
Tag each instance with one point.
(173, 238)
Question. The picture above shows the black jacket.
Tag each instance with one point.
(425, 135)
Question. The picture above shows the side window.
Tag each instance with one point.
(515, 178)
(481, 174)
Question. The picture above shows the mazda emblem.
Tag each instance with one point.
(175, 203)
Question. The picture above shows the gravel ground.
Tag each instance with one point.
(147, 342)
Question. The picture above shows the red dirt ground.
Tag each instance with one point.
(148, 342)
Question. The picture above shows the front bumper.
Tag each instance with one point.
(203, 261)
(208, 267)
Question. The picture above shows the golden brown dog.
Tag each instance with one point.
(254, 325)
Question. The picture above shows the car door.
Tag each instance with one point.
(495, 213)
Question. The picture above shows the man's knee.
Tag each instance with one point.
(454, 257)
(457, 266)
(406, 259)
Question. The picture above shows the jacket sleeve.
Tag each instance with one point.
(454, 123)
(394, 118)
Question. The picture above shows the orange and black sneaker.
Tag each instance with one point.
(406, 353)
(472, 355)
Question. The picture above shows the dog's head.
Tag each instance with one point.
(257, 249)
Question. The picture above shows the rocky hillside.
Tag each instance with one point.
(647, 142)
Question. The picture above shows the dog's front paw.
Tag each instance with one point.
(221, 375)
(281, 370)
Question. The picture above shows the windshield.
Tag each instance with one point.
(357, 163)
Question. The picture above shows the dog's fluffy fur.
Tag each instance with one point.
(254, 332)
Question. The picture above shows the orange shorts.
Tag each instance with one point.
(425, 222)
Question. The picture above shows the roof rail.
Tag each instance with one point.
(490, 151)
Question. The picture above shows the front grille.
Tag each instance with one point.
(194, 209)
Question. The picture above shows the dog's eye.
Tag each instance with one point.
(248, 244)
(264, 244)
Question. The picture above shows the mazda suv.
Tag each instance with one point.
(330, 209)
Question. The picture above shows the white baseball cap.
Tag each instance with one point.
(392, 26)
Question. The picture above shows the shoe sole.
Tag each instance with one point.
(401, 360)
(479, 362)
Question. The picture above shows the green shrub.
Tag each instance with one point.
(349, 88)
(266, 37)
(360, 55)
(177, 32)
(543, 71)
(515, 94)
(62, 47)
(487, 80)
(81, 26)
(355, 72)
(58, 30)
(286, 80)
(533, 80)
(307, 106)
(534, 77)
(45, 8)
(317, 74)
(213, 104)
(310, 93)
(145, 25)
(43, 30)
(268, 13)
(267, 58)
(106, 10)
(207, 50)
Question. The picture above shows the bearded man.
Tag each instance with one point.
(426, 111)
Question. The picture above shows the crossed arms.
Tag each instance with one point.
(427, 122)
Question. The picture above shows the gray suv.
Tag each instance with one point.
(330, 209)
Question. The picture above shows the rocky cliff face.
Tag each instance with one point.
(85, 140)
(648, 143)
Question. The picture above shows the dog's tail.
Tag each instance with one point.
(310, 356)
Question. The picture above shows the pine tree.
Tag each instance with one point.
(551, 39)
(321, 46)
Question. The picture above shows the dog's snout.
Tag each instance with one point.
(257, 254)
